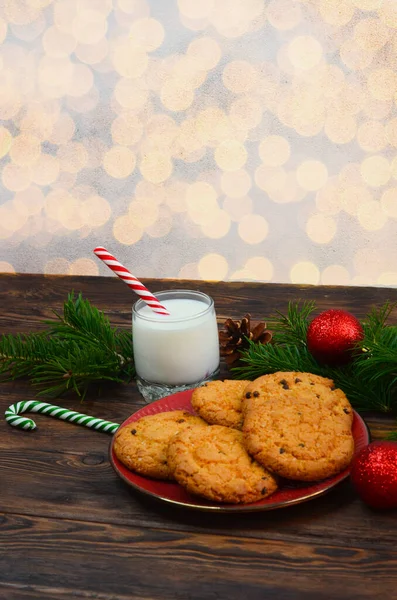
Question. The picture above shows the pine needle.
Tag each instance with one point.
(20, 354)
(78, 349)
(369, 380)
(376, 321)
(292, 327)
(76, 369)
(82, 321)
(261, 359)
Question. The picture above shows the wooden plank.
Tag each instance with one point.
(82, 485)
(143, 563)
(110, 541)
(32, 298)
(15, 591)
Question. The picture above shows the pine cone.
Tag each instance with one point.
(233, 338)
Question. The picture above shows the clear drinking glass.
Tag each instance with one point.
(176, 352)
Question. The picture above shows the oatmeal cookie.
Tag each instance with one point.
(212, 462)
(299, 435)
(142, 445)
(219, 402)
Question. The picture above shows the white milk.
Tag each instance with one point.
(178, 349)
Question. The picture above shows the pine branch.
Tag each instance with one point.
(379, 360)
(78, 349)
(369, 381)
(20, 354)
(292, 327)
(376, 366)
(363, 394)
(261, 359)
(376, 321)
(82, 321)
(77, 368)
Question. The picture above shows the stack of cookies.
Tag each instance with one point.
(247, 437)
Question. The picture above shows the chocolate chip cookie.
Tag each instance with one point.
(142, 445)
(219, 402)
(298, 425)
(212, 462)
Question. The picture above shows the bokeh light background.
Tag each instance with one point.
(205, 139)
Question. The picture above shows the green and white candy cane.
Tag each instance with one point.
(12, 416)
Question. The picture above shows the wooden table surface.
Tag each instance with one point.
(70, 528)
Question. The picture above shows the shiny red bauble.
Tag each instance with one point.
(374, 474)
(332, 335)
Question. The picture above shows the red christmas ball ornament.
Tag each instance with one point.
(374, 474)
(332, 335)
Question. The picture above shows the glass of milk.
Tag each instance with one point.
(178, 351)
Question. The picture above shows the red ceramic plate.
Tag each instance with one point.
(288, 493)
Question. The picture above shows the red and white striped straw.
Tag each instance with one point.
(130, 280)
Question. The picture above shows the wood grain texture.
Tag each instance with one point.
(69, 528)
(187, 565)
(67, 484)
(15, 591)
(28, 299)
